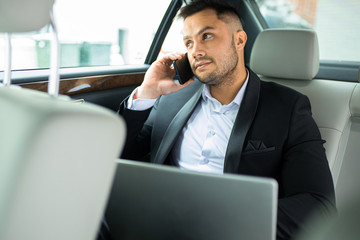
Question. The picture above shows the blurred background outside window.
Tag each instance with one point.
(91, 33)
(335, 21)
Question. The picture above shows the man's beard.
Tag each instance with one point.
(227, 66)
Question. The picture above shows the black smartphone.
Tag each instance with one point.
(183, 69)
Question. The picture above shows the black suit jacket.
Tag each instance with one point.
(274, 135)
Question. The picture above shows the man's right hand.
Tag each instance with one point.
(159, 78)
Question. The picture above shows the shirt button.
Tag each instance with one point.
(212, 132)
(203, 160)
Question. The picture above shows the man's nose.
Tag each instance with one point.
(198, 50)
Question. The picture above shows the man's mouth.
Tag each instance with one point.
(202, 65)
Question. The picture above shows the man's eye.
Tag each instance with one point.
(207, 36)
(188, 44)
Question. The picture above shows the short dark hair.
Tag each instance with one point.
(221, 7)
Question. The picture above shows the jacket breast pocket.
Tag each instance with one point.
(256, 146)
(264, 162)
(264, 150)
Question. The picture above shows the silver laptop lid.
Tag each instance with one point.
(151, 201)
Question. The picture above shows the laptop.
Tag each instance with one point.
(156, 202)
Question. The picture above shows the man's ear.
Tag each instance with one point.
(240, 38)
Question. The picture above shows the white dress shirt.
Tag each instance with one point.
(203, 141)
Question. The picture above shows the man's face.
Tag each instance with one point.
(211, 48)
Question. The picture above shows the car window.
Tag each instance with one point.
(173, 41)
(335, 21)
(91, 33)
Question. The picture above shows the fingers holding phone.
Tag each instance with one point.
(159, 79)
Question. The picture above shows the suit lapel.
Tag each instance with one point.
(242, 124)
(175, 126)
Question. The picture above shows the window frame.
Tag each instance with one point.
(41, 75)
(162, 31)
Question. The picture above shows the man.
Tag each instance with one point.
(229, 121)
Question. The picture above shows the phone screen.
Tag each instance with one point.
(183, 69)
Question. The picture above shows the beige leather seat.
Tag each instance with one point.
(291, 58)
(57, 157)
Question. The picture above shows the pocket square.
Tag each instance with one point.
(255, 145)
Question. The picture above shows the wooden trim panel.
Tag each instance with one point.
(89, 84)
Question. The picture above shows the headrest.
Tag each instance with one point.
(24, 15)
(286, 53)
